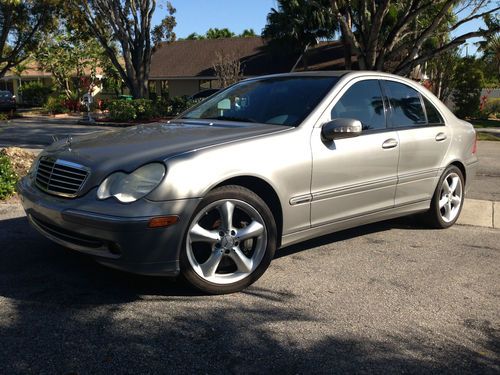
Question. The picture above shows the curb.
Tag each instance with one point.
(480, 213)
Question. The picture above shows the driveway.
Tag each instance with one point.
(384, 298)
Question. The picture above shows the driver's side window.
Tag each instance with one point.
(363, 102)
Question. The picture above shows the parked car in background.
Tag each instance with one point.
(7, 101)
(263, 164)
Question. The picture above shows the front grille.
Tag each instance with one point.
(60, 177)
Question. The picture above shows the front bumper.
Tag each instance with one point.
(116, 234)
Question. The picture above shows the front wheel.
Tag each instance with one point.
(448, 199)
(230, 241)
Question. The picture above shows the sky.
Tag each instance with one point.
(197, 16)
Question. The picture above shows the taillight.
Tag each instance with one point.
(474, 147)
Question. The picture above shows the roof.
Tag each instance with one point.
(194, 58)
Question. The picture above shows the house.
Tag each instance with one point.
(185, 67)
(15, 79)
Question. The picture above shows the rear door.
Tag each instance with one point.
(424, 140)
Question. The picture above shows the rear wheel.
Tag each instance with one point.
(230, 241)
(448, 199)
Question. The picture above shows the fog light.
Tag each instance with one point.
(162, 221)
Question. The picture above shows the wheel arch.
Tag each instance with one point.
(460, 166)
(266, 192)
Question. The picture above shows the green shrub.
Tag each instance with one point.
(35, 93)
(174, 106)
(8, 178)
(144, 109)
(55, 105)
(122, 110)
(3, 116)
(491, 108)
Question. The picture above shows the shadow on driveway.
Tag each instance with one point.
(60, 312)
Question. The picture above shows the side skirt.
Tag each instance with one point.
(339, 225)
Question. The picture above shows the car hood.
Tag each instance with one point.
(129, 148)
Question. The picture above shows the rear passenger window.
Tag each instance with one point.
(406, 106)
(433, 116)
(363, 102)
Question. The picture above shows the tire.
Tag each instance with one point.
(230, 241)
(448, 199)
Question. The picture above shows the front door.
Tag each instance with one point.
(358, 175)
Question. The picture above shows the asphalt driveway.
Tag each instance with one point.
(385, 298)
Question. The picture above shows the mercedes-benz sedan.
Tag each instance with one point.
(263, 164)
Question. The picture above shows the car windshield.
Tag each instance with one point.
(5, 94)
(278, 101)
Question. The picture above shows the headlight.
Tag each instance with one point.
(131, 187)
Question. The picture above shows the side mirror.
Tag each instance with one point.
(341, 128)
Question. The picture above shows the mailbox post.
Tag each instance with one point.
(87, 100)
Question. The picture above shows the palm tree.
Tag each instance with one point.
(299, 24)
(491, 50)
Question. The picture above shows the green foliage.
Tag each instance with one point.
(299, 23)
(468, 84)
(3, 116)
(8, 177)
(248, 33)
(55, 105)
(176, 105)
(164, 32)
(491, 108)
(144, 109)
(122, 110)
(35, 93)
(22, 24)
(69, 56)
(216, 33)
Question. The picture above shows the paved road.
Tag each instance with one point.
(36, 133)
(487, 182)
(386, 298)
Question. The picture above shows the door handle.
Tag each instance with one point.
(440, 137)
(390, 143)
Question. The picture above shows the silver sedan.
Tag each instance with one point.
(263, 164)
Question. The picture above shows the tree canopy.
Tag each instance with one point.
(22, 24)
(126, 24)
(297, 24)
(386, 35)
(215, 33)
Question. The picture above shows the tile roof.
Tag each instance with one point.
(194, 58)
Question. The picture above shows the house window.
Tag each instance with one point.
(205, 84)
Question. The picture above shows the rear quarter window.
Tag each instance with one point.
(433, 116)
